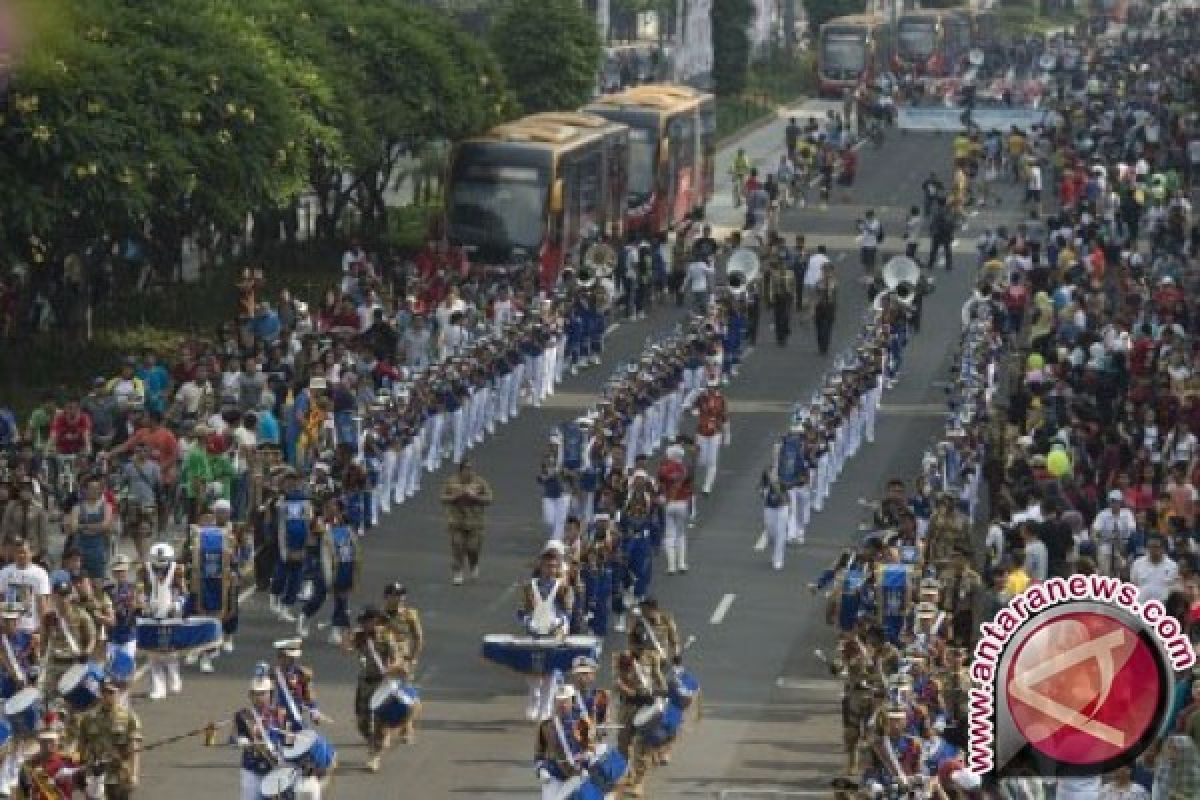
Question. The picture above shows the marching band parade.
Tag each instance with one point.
(269, 460)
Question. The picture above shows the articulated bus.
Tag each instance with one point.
(922, 44)
(536, 188)
(959, 39)
(672, 151)
(853, 49)
(984, 32)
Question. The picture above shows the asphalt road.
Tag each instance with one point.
(769, 710)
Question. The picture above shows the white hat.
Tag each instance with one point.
(289, 647)
(675, 452)
(565, 692)
(554, 547)
(162, 552)
(965, 780)
(1115, 496)
(221, 505)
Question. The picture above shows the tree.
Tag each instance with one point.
(550, 50)
(821, 11)
(731, 44)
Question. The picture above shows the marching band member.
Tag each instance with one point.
(591, 702)
(49, 774)
(775, 517)
(294, 697)
(340, 566)
(295, 520)
(636, 684)
(712, 430)
(562, 748)
(547, 602)
(164, 590)
(214, 585)
(128, 603)
(791, 471)
(69, 632)
(379, 660)
(676, 487)
(21, 662)
(404, 623)
(110, 735)
(555, 497)
(259, 734)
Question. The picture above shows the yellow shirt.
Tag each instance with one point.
(1016, 582)
(962, 147)
(1016, 144)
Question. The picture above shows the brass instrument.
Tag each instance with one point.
(45, 786)
(600, 259)
(902, 277)
(742, 270)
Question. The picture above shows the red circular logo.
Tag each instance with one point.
(1084, 688)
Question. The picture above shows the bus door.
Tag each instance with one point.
(708, 154)
(681, 158)
(583, 188)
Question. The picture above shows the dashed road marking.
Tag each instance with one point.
(718, 615)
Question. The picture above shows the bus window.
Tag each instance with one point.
(588, 195)
(643, 165)
(708, 149)
(503, 204)
(683, 140)
(916, 39)
(843, 55)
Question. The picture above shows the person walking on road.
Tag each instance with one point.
(825, 307)
(941, 234)
(465, 495)
(699, 277)
(780, 294)
(870, 236)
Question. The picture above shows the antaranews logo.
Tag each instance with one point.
(1074, 676)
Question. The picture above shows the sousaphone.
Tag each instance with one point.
(902, 277)
(742, 270)
(599, 261)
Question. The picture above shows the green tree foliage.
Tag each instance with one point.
(174, 117)
(550, 50)
(731, 44)
(821, 11)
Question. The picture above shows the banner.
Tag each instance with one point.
(949, 118)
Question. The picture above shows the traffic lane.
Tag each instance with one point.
(776, 721)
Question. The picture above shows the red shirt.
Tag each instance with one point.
(672, 476)
(69, 433)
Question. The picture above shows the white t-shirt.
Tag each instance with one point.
(872, 233)
(812, 273)
(1154, 580)
(1083, 788)
(698, 275)
(1035, 178)
(29, 587)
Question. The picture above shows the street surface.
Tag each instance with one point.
(770, 725)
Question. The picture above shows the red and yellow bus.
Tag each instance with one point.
(672, 152)
(536, 188)
(931, 42)
(852, 50)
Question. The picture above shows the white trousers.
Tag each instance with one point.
(710, 448)
(251, 783)
(410, 467)
(775, 520)
(458, 428)
(674, 411)
(798, 513)
(632, 438)
(433, 441)
(537, 379)
(676, 523)
(389, 480)
(554, 515)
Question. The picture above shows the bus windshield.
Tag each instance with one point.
(915, 39)
(643, 152)
(843, 55)
(498, 207)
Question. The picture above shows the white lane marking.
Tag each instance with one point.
(761, 544)
(809, 685)
(246, 594)
(718, 615)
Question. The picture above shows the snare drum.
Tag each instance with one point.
(684, 688)
(5, 733)
(24, 711)
(608, 769)
(280, 784)
(587, 791)
(394, 702)
(665, 730)
(649, 714)
(531, 655)
(121, 665)
(311, 750)
(80, 686)
(178, 635)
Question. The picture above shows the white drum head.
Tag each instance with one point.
(301, 744)
(279, 781)
(21, 701)
(71, 678)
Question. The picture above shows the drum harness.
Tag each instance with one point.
(14, 666)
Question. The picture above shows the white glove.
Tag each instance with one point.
(316, 716)
(544, 775)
